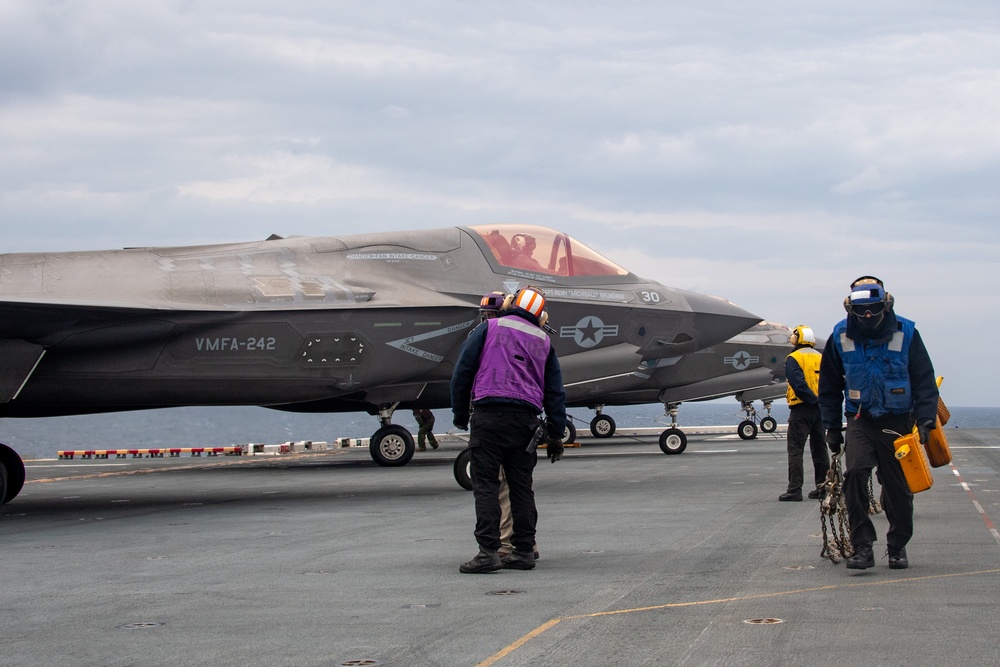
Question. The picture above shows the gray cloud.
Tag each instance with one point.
(766, 152)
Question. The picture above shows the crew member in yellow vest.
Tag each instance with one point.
(804, 423)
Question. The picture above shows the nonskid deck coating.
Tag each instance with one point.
(327, 559)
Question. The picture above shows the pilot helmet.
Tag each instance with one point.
(868, 299)
(491, 304)
(523, 243)
(803, 335)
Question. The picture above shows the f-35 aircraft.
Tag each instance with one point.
(370, 322)
(750, 366)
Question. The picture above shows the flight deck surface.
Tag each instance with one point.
(328, 559)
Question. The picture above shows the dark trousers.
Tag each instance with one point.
(500, 439)
(426, 433)
(804, 423)
(867, 445)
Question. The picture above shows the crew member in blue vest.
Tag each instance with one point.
(804, 423)
(508, 372)
(876, 371)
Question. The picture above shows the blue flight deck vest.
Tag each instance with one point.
(876, 376)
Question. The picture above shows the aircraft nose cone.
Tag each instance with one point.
(705, 321)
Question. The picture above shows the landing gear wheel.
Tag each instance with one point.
(768, 424)
(463, 469)
(11, 474)
(673, 441)
(391, 446)
(569, 435)
(747, 430)
(602, 426)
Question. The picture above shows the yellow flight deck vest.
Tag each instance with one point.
(808, 360)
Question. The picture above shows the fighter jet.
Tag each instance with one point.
(750, 366)
(370, 322)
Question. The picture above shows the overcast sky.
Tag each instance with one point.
(766, 152)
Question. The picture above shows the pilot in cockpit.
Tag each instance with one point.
(523, 245)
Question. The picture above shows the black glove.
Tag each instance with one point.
(924, 429)
(554, 449)
(834, 439)
(461, 422)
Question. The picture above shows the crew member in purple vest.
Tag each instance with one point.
(508, 373)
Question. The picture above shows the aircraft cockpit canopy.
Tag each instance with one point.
(544, 251)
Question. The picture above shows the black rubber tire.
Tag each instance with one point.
(673, 441)
(747, 429)
(463, 469)
(12, 470)
(392, 446)
(602, 426)
(768, 424)
(569, 435)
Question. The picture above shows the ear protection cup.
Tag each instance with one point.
(543, 318)
(507, 301)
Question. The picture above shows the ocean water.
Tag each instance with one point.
(214, 427)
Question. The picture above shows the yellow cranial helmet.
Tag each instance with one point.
(803, 335)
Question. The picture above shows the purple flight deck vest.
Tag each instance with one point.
(512, 364)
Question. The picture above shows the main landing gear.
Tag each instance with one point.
(391, 445)
(11, 474)
(748, 427)
(672, 440)
(602, 425)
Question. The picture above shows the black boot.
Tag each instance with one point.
(791, 495)
(862, 559)
(486, 560)
(898, 559)
(518, 560)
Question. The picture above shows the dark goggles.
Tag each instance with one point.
(868, 309)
